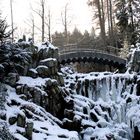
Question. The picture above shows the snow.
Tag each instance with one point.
(48, 59)
(33, 70)
(32, 82)
(112, 96)
(101, 133)
(47, 125)
(53, 131)
(106, 106)
(1, 66)
(20, 137)
(45, 45)
(42, 66)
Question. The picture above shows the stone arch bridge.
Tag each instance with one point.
(108, 56)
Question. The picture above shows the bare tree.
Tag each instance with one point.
(110, 22)
(31, 24)
(43, 18)
(12, 24)
(48, 24)
(108, 17)
(41, 14)
(65, 21)
(33, 29)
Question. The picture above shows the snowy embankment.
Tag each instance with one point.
(96, 106)
(107, 103)
(45, 126)
(32, 105)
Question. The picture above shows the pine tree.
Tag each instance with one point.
(4, 34)
(100, 14)
(128, 15)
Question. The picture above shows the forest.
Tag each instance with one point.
(114, 23)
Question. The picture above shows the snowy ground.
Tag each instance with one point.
(45, 125)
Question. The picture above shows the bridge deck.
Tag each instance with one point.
(109, 54)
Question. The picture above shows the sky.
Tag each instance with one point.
(78, 13)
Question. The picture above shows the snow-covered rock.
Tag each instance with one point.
(106, 102)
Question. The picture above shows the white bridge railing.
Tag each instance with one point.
(74, 48)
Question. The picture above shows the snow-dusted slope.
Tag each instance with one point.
(45, 126)
(93, 106)
(31, 104)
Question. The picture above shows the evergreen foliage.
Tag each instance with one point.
(128, 15)
(4, 34)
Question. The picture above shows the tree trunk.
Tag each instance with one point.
(43, 16)
(49, 26)
(12, 24)
(111, 25)
(108, 16)
(101, 20)
(65, 24)
(33, 30)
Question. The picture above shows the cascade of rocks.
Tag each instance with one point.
(113, 100)
(96, 105)
(41, 84)
(108, 87)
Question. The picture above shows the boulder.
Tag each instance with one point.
(21, 120)
(85, 111)
(42, 53)
(18, 90)
(59, 79)
(43, 71)
(77, 122)
(25, 89)
(29, 130)
(3, 116)
(94, 117)
(138, 88)
(48, 83)
(49, 62)
(53, 70)
(44, 101)
(12, 120)
(69, 114)
(50, 52)
(37, 93)
(70, 104)
(67, 124)
(32, 73)
(12, 78)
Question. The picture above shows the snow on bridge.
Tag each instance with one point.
(109, 55)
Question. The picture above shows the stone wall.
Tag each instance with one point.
(91, 66)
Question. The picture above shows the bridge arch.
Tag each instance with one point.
(68, 55)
